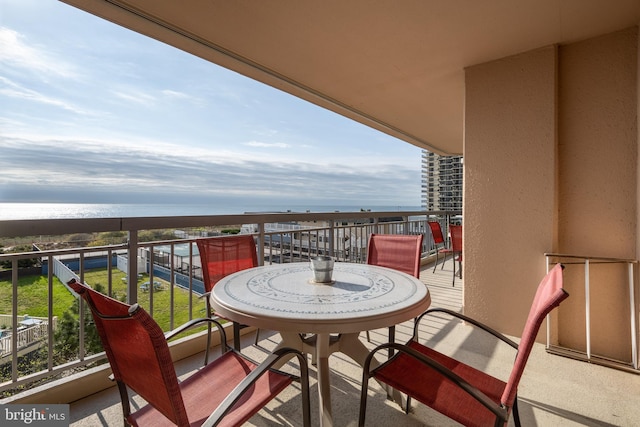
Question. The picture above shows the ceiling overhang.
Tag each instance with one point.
(397, 67)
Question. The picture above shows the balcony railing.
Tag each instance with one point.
(164, 276)
(588, 264)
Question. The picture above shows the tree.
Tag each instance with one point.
(67, 338)
(23, 263)
(65, 348)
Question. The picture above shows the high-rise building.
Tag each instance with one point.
(441, 182)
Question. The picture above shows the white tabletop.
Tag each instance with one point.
(284, 297)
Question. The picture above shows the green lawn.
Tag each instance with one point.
(161, 297)
(33, 297)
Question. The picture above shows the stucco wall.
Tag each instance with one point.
(551, 166)
(510, 185)
(597, 152)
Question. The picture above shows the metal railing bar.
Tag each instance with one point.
(171, 283)
(14, 320)
(7, 385)
(587, 354)
(587, 308)
(50, 315)
(632, 310)
(591, 258)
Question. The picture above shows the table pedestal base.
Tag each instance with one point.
(320, 346)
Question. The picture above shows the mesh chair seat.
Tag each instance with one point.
(204, 391)
(407, 375)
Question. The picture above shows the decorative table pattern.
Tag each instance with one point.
(283, 292)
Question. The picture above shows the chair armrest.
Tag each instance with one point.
(217, 416)
(467, 319)
(205, 295)
(196, 322)
(478, 395)
(207, 303)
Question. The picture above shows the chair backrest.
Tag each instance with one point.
(221, 256)
(456, 238)
(436, 232)
(548, 296)
(398, 251)
(137, 351)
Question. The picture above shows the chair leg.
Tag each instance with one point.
(392, 338)
(257, 336)
(444, 260)
(459, 270)
(206, 352)
(368, 337)
(363, 399)
(236, 336)
(436, 264)
(516, 415)
(124, 398)
(453, 259)
(209, 314)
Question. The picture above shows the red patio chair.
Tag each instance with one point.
(456, 249)
(439, 243)
(226, 392)
(398, 251)
(461, 392)
(221, 256)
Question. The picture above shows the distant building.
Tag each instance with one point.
(441, 182)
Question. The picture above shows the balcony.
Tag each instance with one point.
(554, 390)
(154, 262)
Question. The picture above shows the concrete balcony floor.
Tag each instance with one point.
(554, 391)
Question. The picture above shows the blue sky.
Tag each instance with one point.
(92, 112)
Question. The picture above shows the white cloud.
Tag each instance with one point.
(267, 144)
(19, 54)
(14, 90)
(136, 96)
(175, 94)
(164, 169)
(150, 98)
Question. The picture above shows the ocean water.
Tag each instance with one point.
(13, 211)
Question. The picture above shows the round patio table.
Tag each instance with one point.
(284, 297)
